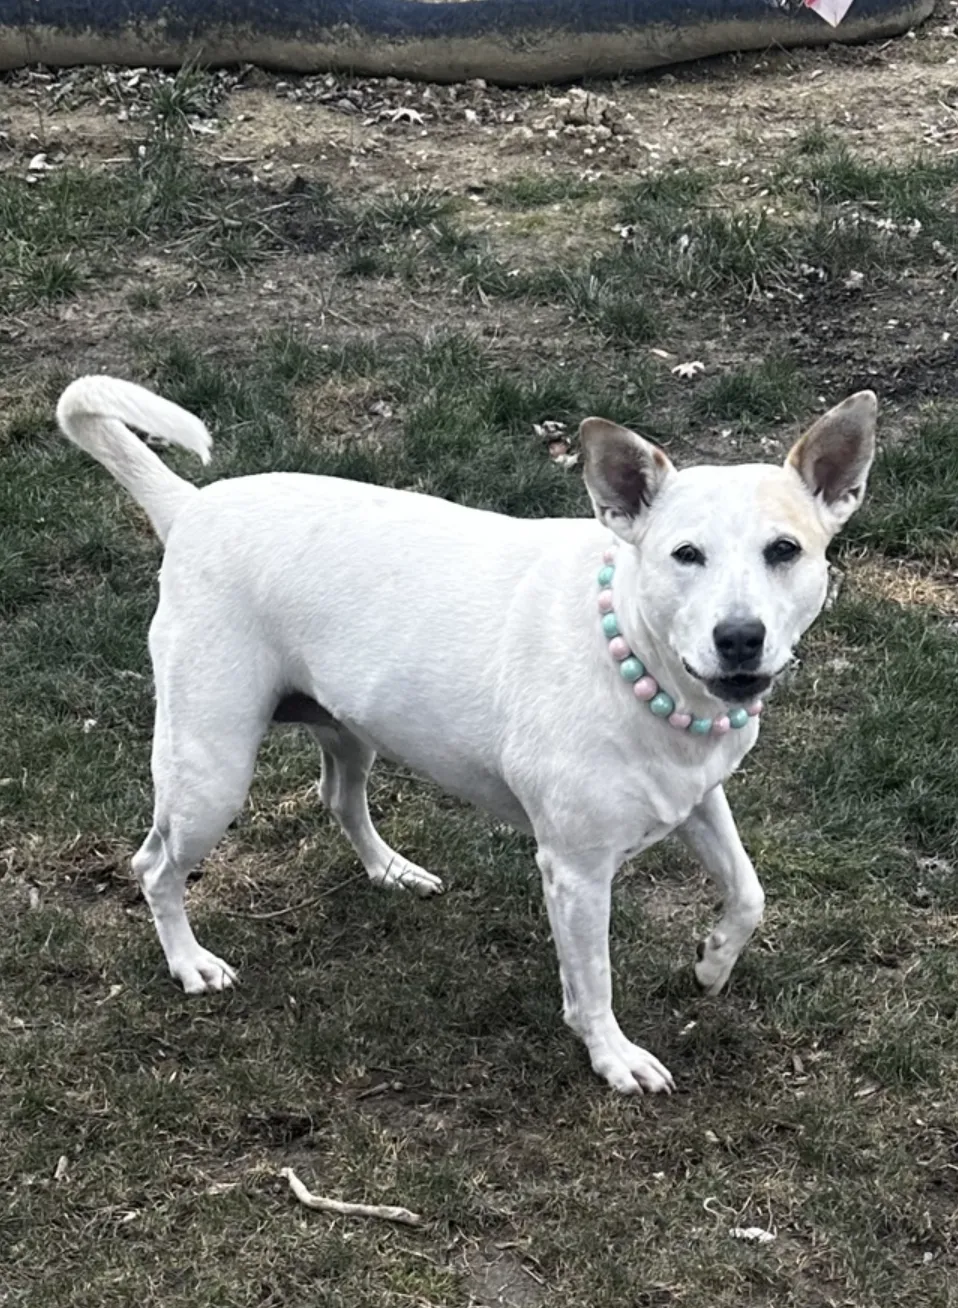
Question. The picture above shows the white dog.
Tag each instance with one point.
(593, 683)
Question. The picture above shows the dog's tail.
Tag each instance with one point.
(93, 413)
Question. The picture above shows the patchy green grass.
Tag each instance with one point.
(896, 211)
(888, 779)
(814, 139)
(902, 192)
(405, 211)
(661, 199)
(174, 1116)
(680, 234)
(913, 511)
(613, 306)
(397, 1051)
(536, 190)
(766, 393)
(72, 227)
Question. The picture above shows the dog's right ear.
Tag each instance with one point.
(623, 475)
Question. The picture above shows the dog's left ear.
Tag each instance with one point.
(834, 456)
(623, 475)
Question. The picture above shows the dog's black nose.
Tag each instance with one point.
(739, 644)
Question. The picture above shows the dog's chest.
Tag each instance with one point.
(646, 803)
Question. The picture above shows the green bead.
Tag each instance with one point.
(632, 668)
(701, 726)
(606, 575)
(662, 705)
(610, 626)
(738, 718)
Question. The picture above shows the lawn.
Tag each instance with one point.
(347, 291)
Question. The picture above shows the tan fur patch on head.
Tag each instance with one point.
(789, 505)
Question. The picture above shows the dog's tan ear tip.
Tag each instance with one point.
(590, 428)
(866, 402)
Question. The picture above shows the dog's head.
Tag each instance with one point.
(730, 561)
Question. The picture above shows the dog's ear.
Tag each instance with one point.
(623, 474)
(834, 456)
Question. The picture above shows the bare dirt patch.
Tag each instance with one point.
(907, 585)
(496, 1277)
(733, 116)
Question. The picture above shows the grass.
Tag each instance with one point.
(75, 226)
(914, 505)
(896, 211)
(814, 139)
(681, 235)
(661, 197)
(767, 393)
(536, 190)
(817, 1097)
(405, 211)
(612, 306)
(902, 192)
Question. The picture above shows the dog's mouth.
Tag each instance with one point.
(737, 688)
(740, 688)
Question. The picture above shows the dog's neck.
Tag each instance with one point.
(656, 673)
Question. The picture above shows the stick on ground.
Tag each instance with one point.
(383, 1211)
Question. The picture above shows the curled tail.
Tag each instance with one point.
(93, 413)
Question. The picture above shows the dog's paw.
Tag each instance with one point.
(397, 874)
(632, 1070)
(714, 965)
(202, 972)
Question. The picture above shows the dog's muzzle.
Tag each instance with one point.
(740, 645)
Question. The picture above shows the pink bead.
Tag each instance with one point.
(681, 721)
(618, 648)
(755, 709)
(646, 688)
(605, 601)
(608, 556)
(721, 725)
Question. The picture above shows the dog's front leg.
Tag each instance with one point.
(711, 834)
(578, 894)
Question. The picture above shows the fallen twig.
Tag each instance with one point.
(382, 1088)
(295, 908)
(383, 1211)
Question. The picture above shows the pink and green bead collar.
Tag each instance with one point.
(645, 687)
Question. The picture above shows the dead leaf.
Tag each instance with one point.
(757, 1234)
(406, 115)
(688, 370)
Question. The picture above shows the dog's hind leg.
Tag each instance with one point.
(204, 749)
(347, 762)
(711, 834)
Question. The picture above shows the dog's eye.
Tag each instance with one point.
(782, 550)
(688, 554)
